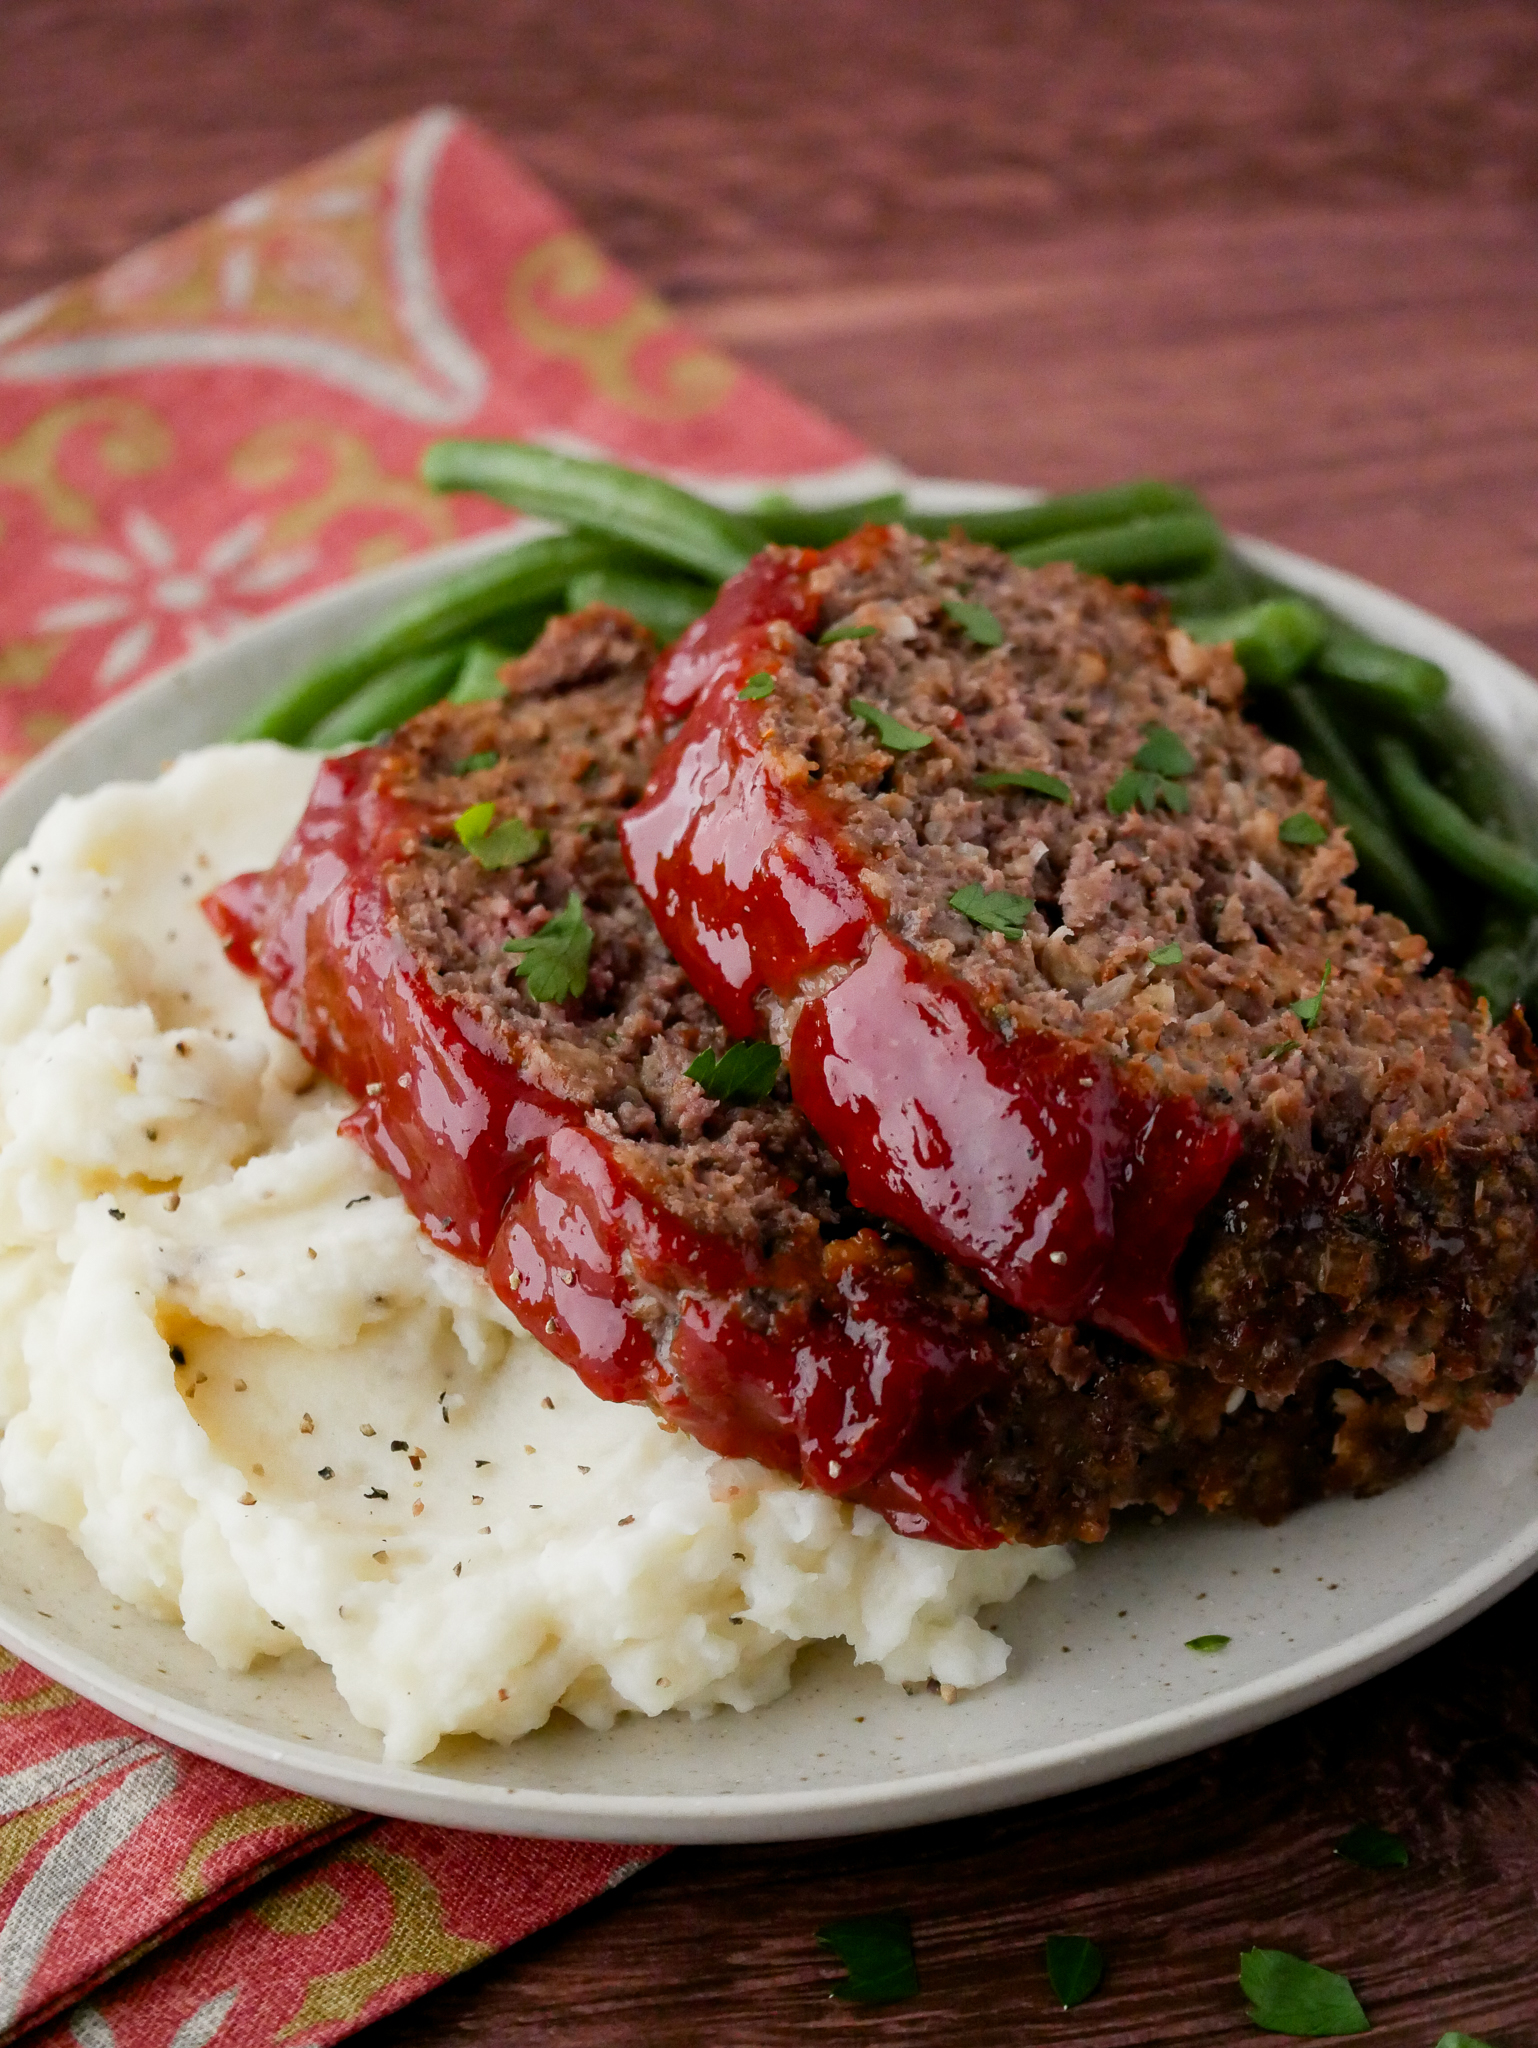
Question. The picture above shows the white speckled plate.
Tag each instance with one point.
(1099, 1681)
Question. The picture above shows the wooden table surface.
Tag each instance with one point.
(1282, 248)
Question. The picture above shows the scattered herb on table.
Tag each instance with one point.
(996, 910)
(1373, 1848)
(976, 621)
(1301, 829)
(1034, 779)
(1289, 1996)
(1166, 956)
(896, 737)
(758, 686)
(556, 956)
(877, 1951)
(1306, 1009)
(1207, 1645)
(1074, 1968)
(496, 846)
(745, 1072)
(836, 633)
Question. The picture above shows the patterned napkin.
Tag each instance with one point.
(219, 423)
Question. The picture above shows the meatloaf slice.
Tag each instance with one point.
(1002, 869)
(705, 1256)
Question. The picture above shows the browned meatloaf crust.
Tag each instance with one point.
(1384, 1207)
(1079, 1425)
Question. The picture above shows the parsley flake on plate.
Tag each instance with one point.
(1166, 956)
(1036, 780)
(976, 621)
(1373, 1848)
(896, 737)
(472, 762)
(496, 846)
(996, 910)
(1301, 829)
(1306, 1009)
(1208, 1645)
(1074, 1968)
(877, 1951)
(745, 1072)
(556, 956)
(837, 633)
(1289, 1996)
(758, 685)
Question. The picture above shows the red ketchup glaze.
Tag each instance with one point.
(1041, 1166)
(450, 1118)
(851, 1395)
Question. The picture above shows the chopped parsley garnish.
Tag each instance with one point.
(1166, 956)
(1306, 1009)
(996, 910)
(472, 762)
(556, 956)
(976, 621)
(877, 1951)
(1074, 1968)
(1207, 1645)
(1037, 780)
(758, 685)
(1301, 829)
(835, 633)
(896, 737)
(1153, 778)
(1163, 752)
(1289, 1996)
(1138, 790)
(745, 1072)
(496, 846)
(1373, 1849)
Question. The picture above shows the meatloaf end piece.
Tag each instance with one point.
(1347, 1173)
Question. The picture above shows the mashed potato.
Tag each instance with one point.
(263, 1405)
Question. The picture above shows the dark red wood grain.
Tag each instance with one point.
(1289, 251)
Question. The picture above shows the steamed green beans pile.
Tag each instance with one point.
(1439, 833)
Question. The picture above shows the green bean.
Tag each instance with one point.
(1380, 679)
(480, 674)
(1386, 864)
(665, 605)
(1138, 551)
(1504, 969)
(1450, 831)
(1070, 512)
(436, 619)
(388, 700)
(1228, 586)
(818, 526)
(644, 512)
(1469, 770)
(1271, 640)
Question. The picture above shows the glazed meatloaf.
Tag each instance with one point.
(1067, 967)
(699, 1254)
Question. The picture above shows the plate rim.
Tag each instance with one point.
(423, 1793)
